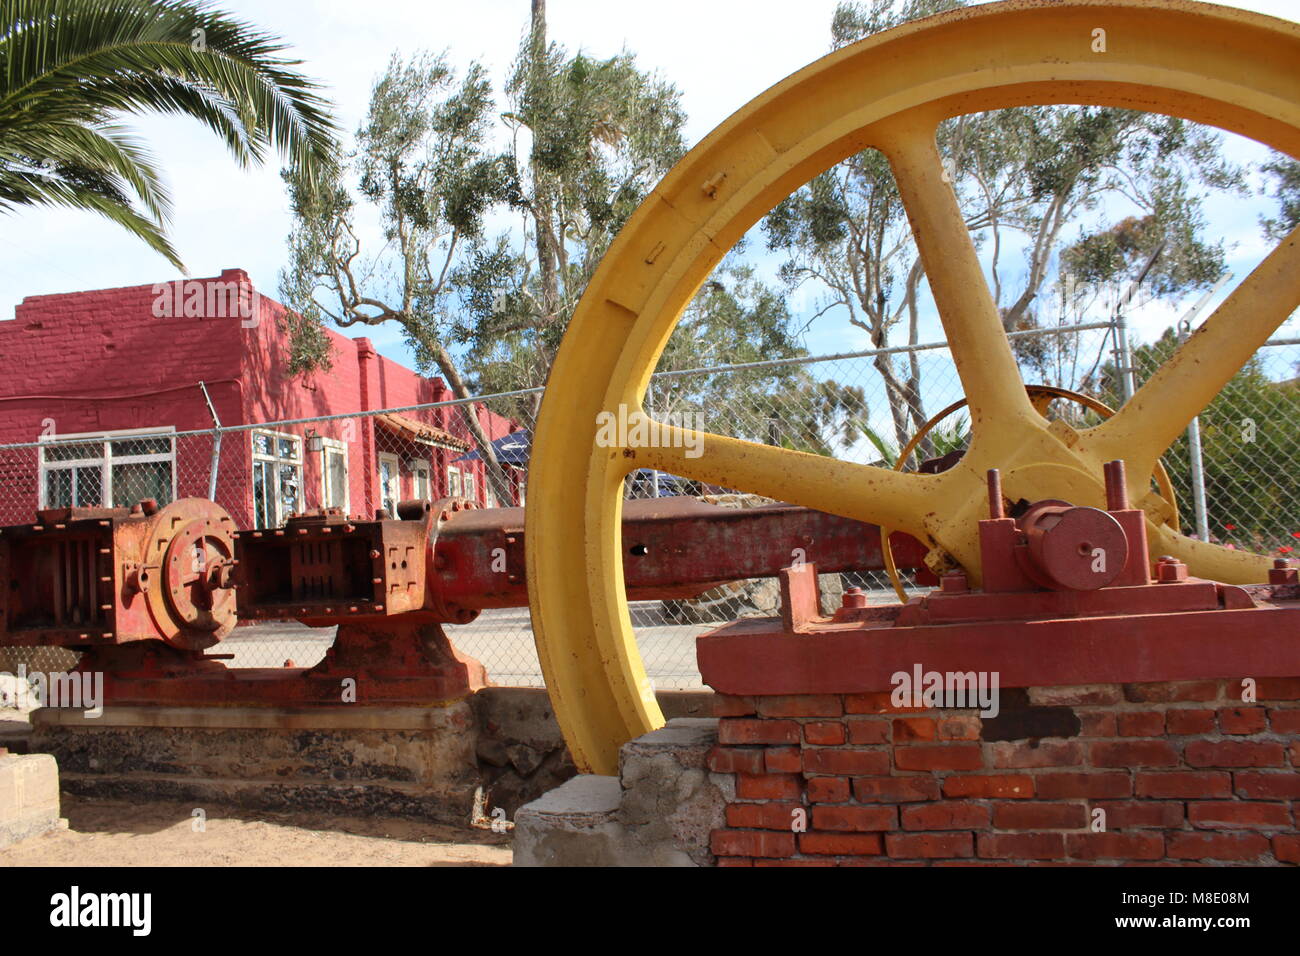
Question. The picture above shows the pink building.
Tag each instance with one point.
(104, 367)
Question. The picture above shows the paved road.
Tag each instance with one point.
(501, 639)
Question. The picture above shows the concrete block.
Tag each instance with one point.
(29, 796)
(659, 812)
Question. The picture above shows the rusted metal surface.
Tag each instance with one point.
(86, 577)
(1142, 625)
(672, 548)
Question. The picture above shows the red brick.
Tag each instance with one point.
(734, 861)
(1021, 846)
(895, 789)
(1190, 721)
(738, 730)
(1167, 692)
(1116, 846)
(1256, 816)
(1286, 847)
(824, 733)
(1136, 814)
(1022, 754)
(867, 731)
(855, 818)
(1233, 753)
(751, 843)
(948, 815)
(841, 844)
(1146, 723)
(1099, 723)
(783, 760)
(1039, 816)
(1285, 721)
(1010, 785)
(763, 816)
(795, 861)
(1184, 785)
(1133, 753)
(959, 728)
(726, 705)
(929, 846)
(801, 705)
(1243, 720)
(768, 786)
(913, 728)
(939, 757)
(1063, 786)
(1076, 696)
(877, 703)
(846, 762)
(828, 790)
(1215, 846)
(736, 760)
(1272, 688)
(1267, 786)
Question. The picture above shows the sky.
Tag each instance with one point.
(720, 53)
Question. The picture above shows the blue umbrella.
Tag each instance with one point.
(510, 449)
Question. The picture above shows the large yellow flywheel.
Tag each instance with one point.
(1234, 70)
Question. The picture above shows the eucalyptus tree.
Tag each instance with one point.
(1029, 181)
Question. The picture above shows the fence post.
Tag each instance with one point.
(1196, 462)
(216, 444)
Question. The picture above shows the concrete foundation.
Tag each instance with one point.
(404, 761)
(497, 749)
(29, 796)
(659, 811)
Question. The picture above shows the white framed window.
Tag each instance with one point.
(453, 481)
(108, 469)
(521, 483)
(421, 485)
(277, 477)
(467, 485)
(390, 483)
(334, 475)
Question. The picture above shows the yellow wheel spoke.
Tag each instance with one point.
(1160, 410)
(870, 494)
(1210, 561)
(980, 349)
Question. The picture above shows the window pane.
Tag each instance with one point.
(90, 487)
(135, 481)
(288, 448)
(78, 452)
(259, 495)
(288, 490)
(58, 488)
(142, 446)
(336, 479)
(261, 444)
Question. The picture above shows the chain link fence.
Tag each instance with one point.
(859, 407)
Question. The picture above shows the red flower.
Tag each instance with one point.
(1295, 534)
(1285, 549)
(1231, 527)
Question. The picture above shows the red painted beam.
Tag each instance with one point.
(757, 657)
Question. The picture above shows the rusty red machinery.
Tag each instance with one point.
(1075, 578)
(146, 592)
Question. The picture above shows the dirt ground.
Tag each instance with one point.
(112, 833)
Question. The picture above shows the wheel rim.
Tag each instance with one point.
(1213, 65)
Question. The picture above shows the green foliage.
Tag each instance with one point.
(1285, 172)
(69, 69)
(1248, 440)
(1031, 173)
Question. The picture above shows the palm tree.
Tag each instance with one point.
(70, 68)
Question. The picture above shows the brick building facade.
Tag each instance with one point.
(113, 364)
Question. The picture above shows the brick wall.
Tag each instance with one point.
(1183, 773)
